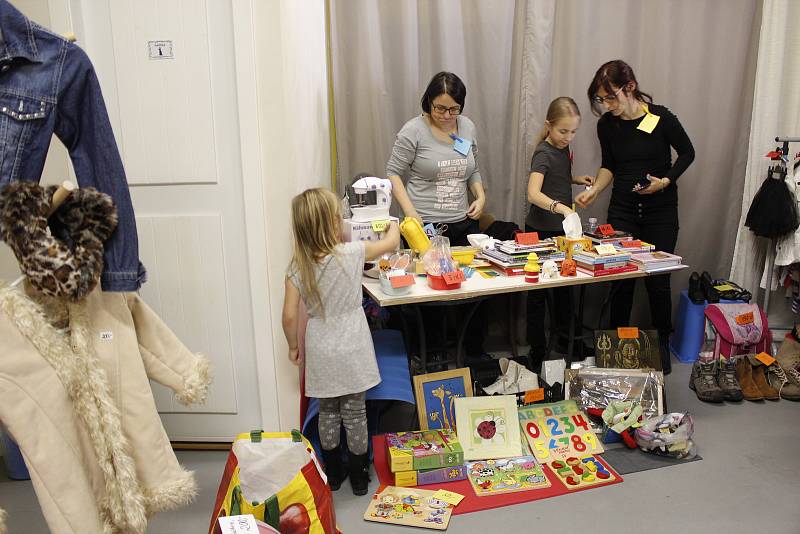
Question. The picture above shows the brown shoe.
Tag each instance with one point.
(760, 379)
(744, 374)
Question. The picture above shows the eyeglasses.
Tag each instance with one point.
(441, 110)
(608, 98)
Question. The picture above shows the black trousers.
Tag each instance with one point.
(662, 231)
(560, 314)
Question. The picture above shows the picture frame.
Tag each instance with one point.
(436, 394)
(488, 427)
(639, 351)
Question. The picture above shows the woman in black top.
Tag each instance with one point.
(635, 137)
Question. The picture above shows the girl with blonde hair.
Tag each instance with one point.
(340, 364)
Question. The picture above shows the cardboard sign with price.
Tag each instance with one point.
(561, 436)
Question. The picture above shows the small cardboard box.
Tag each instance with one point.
(425, 449)
(430, 476)
(570, 246)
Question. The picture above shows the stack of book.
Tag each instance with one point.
(595, 264)
(425, 457)
(655, 261)
(633, 246)
(509, 257)
(615, 236)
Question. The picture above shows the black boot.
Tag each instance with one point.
(334, 467)
(711, 293)
(359, 473)
(663, 348)
(696, 293)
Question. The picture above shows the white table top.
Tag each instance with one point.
(478, 286)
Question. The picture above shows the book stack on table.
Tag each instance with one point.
(595, 264)
(509, 257)
(655, 261)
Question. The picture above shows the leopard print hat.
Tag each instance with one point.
(66, 261)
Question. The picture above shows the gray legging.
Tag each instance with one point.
(350, 410)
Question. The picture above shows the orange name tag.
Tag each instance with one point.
(745, 318)
(632, 243)
(628, 332)
(527, 238)
(765, 358)
(533, 395)
(454, 277)
(605, 229)
(401, 281)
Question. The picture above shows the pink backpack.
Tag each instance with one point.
(738, 329)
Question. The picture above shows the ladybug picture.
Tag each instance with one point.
(487, 429)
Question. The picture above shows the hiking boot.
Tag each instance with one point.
(334, 467)
(703, 382)
(744, 375)
(784, 374)
(760, 379)
(726, 378)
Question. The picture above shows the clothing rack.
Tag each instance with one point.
(783, 166)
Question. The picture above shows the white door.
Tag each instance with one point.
(168, 72)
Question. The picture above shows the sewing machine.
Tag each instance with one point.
(369, 220)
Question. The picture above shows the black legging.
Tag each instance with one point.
(662, 232)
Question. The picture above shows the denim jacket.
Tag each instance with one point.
(47, 86)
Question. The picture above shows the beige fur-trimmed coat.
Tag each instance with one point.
(78, 403)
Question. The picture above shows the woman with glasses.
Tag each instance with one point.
(436, 153)
(636, 138)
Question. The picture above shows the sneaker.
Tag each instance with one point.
(726, 378)
(703, 382)
(784, 374)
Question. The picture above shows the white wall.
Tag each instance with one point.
(295, 152)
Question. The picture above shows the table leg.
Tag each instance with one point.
(423, 351)
(462, 331)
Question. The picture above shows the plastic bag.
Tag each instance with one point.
(668, 435)
(437, 259)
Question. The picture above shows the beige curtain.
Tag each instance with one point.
(697, 57)
(776, 112)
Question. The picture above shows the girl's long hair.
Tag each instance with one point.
(316, 225)
(561, 107)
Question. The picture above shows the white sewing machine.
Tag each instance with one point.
(367, 219)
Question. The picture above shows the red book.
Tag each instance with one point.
(605, 272)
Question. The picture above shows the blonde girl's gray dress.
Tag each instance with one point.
(340, 357)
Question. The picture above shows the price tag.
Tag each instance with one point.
(765, 358)
(605, 250)
(453, 277)
(533, 395)
(561, 437)
(648, 123)
(631, 243)
(401, 280)
(238, 524)
(449, 497)
(379, 226)
(628, 332)
(605, 229)
(745, 318)
(527, 238)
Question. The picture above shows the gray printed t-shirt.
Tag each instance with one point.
(436, 175)
(340, 356)
(556, 167)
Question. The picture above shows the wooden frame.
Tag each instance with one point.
(488, 427)
(442, 389)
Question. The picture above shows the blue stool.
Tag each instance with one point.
(689, 325)
(15, 465)
(395, 384)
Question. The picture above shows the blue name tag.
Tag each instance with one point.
(462, 146)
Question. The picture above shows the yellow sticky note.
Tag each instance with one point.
(648, 123)
(449, 497)
(379, 226)
(605, 249)
(765, 358)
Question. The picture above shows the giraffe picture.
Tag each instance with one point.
(436, 394)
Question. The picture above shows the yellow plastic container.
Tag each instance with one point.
(414, 235)
(463, 255)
